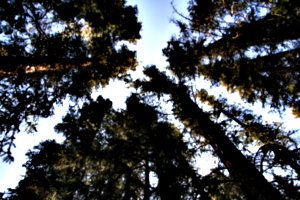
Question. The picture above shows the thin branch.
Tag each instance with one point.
(178, 13)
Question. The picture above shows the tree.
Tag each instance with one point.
(111, 154)
(48, 54)
(220, 51)
(254, 185)
(255, 55)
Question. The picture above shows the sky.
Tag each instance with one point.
(157, 29)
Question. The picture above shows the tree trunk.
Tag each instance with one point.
(190, 172)
(11, 65)
(147, 180)
(253, 183)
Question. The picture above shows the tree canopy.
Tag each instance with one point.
(146, 151)
(48, 54)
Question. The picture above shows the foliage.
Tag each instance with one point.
(48, 54)
(250, 47)
(110, 155)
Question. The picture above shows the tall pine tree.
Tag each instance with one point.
(48, 54)
(111, 154)
(250, 47)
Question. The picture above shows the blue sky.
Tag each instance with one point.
(155, 16)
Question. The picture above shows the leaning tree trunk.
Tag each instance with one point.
(253, 183)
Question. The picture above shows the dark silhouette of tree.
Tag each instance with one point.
(109, 155)
(48, 54)
(255, 54)
(252, 182)
(247, 46)
(218, 50)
